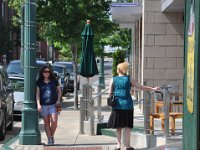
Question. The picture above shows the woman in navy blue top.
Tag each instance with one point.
(48, 96)
(122, 113)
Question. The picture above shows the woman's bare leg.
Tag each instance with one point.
(119, 135)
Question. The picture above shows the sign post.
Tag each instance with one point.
(191, 82)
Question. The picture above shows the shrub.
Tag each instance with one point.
(118, 57)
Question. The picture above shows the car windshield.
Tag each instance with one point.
(58, 69)
(70, 68)
(15, 68)
(18, 84)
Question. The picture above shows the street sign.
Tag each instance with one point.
(191, 82)
(190, 61)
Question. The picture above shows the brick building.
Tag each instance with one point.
(43, 51)
(6, 16)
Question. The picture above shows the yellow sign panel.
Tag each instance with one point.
(190, 62)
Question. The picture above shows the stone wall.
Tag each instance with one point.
(163, 46)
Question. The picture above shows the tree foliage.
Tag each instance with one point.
(118, 57)
(63, 21)
(119, 38)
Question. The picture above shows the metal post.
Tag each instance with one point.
(101, 72)
(88, 105)
(91, 117)
(30, 134)
(99, 105)
(87, 95)
(22, 38)
(166, 95)
(146, 110)
(81, 127)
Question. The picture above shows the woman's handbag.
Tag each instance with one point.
(111, 101)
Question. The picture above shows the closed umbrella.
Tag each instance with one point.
(88, 67)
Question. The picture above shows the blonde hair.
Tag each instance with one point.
(122, 68)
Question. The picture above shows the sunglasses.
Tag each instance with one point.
(46, 71)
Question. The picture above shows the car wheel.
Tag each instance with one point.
(10, 127)
(3, 128)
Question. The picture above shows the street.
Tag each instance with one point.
(66, 105)
(14, 132)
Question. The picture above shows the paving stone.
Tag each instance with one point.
(73, 148)
(19, 148)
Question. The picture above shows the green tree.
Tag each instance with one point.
(119, 38)
(64, 21)
(118, 57)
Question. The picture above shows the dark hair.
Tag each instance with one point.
(51, 75)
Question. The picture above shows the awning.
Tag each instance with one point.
(126, 13)
(172, 5)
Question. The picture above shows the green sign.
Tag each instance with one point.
(191, 111)
(190, 61)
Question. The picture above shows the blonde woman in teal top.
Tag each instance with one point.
(122, 113)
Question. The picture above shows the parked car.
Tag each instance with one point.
(6, 103)
(70, 70)
(64, 76)
(14, 67)
(17, 82)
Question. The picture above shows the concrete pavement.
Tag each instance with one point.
(67, 136)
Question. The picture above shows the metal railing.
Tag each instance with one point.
(149, 100)
(87, 107)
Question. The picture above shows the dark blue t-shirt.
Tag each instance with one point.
(48, 92)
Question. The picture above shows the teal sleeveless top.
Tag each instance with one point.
(121, 89)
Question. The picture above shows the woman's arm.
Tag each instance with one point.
(38, 98)
(110, 91)
(142, 87)
(59, 94)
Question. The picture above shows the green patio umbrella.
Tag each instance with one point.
(88, 67)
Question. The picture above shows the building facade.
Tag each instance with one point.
(43, 51)
(157, 40)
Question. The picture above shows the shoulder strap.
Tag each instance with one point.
(113, 84)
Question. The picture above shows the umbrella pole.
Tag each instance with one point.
(87, 80)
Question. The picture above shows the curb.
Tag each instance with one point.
(6, 145)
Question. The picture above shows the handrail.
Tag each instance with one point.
(139, 101)
(100, 94)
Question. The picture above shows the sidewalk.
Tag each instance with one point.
(67, 136)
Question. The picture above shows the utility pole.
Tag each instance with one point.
(29, 134)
